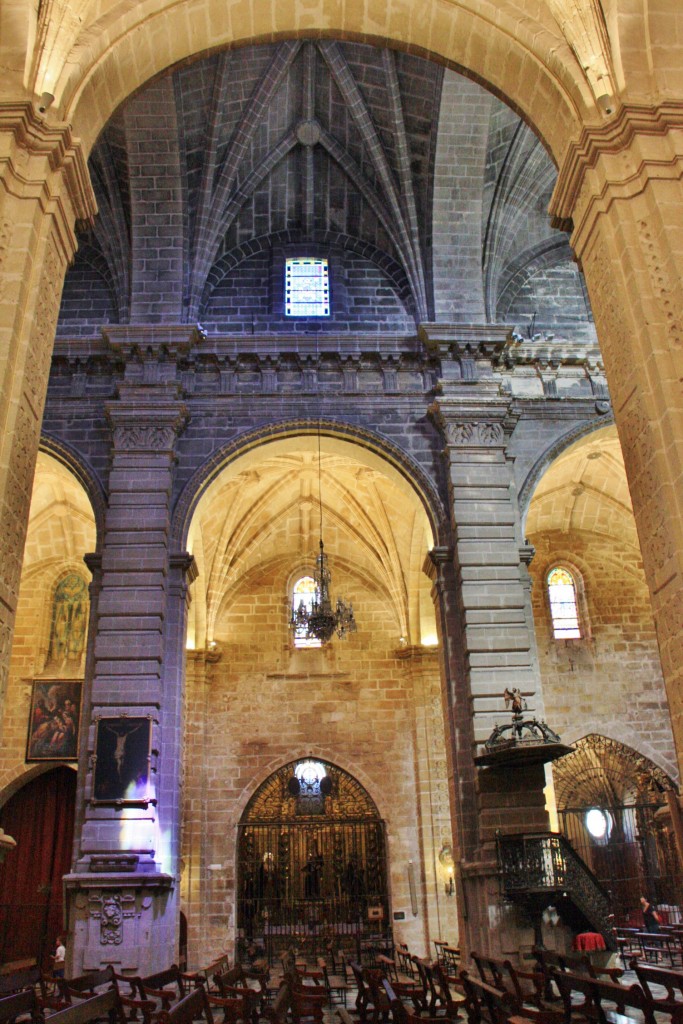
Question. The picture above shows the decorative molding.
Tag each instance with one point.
(149, 342)
(64, 153)
(596, 142)
(474, 435)
(479, 416)
(144, 437)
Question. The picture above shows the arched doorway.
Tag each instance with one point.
(40, 816)
(612, 807)
(311, 863)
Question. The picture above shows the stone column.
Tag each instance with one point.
(621, 190)
(496, 646)
(44, 190)
(124, 889)
(434, 825)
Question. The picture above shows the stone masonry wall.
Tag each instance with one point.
(356, 703)
(611, 681)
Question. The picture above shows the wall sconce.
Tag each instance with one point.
(448, 864)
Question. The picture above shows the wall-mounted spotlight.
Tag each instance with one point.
(46, 101)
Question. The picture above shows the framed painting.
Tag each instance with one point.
(123, 751)
(54, 719)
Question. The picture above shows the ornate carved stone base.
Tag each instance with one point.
(128, 920)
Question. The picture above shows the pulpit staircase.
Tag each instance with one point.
(542, 869)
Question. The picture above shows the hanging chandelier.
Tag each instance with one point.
(319, 619)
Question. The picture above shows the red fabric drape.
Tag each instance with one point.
(40, 816)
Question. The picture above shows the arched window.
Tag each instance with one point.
(564, 609)
(303, 592)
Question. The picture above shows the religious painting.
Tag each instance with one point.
(54, 720)
(69, 626)
(123, 748)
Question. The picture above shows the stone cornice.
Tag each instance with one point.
(54, 143)
(153, 340)
(456, 339)
(622, 178)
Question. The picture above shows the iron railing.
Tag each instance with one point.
(546, 863)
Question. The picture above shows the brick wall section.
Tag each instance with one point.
(555, 292)
(359, 703)
(158, 255)
(458, 182)
(87, 300)
(611, 682)
(362, 299)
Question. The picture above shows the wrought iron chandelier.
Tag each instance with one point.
(321, 621)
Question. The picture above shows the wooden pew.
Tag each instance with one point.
(32, 978)
(550, 960)
(655, 946)
(22, 1004)
(402, 1015)
(486, 1004)
(97, 1008)
(525, 986)
(606, 1002)
(193, 1006)
(667, 977)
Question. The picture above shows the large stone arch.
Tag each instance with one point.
(499, 45)
(74, 462)
(546, 458)
(365, 441)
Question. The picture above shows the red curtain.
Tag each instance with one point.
(40, 816)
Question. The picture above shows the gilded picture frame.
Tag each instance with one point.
(54, 720)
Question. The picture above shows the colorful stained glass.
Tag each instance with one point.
(307, 287)
(563, 607)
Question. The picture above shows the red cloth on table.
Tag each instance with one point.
(586, 942)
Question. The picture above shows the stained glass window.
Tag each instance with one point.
(563, 606)
(307, 287)
(303, 593)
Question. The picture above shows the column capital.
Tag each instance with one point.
(474, 415)
(614, 161)
(146, 419)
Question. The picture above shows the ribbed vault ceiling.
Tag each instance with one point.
(61, 522)
(329, 143)
(261, 517)
(585, 489)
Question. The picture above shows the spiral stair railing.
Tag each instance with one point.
(541, 869)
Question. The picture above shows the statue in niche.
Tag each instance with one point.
(69, 621)
(312, 872)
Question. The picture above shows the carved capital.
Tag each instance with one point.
(475, 417)
(474, 435)
(146, 427)
(145, 437)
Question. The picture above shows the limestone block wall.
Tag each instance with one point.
(611, 681)
(371, 709)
